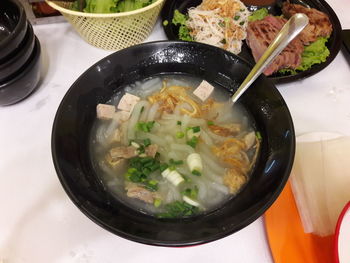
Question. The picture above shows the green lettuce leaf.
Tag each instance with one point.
(315, 53)
(112, 6)
(100, 6)
(258, 15)
(130, 5)
(184, 32)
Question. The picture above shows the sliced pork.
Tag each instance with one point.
(319, 23)
(138, 192)
(126, 152)
(151, 150)
(261, 33)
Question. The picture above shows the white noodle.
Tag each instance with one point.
(184, 122)
(206, 138)
(152, 112)
(181, 147)
(145, 111)
(134, 118)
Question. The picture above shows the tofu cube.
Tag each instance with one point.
(123, 115)
(204, 90)
(105, 111)
(127, 102)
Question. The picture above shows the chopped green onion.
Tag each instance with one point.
(196, 173)
(178, 209)
(146, 171)
(192, 193)
(242, 9)
(142, 109)
(196, 129)
(163, 167)
(140, 169)
(236, 18)
(165, 22)
(145, 126)
(192, 142)
(209, 123)
(152, 185)
(180, 135)
(154, 167)
(173, 162)
(157, 202)
(178, 122)
(258, 136)
(146, 160)
(187, 179)
(223, 41)
(153, 182)
(241, 23)
(147, 142)
(132, 170)
(222, 24)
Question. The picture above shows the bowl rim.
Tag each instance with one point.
(247, 221)
(35, 55)
(22, 23)
(102, 15)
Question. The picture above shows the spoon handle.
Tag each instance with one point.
(288, 32)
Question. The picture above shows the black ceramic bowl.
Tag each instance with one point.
(13, 26)
(77, 112)
(24, 82)
(18, 58)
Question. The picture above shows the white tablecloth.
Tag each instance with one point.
(39, 223)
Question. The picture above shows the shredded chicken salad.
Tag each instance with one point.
(220, 23)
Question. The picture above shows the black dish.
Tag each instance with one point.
(13, 26)
(19, 57)
(346, 39)
(24, 82)
(333, 43)
(77, 111)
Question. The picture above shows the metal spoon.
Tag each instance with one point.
(288, 32)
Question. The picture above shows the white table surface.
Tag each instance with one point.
(39, 223)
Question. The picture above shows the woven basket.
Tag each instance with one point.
(111, 31)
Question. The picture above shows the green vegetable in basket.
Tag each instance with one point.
(99, 6)
(110, 6)
(129, 5)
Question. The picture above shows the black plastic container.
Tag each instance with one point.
(13, 27)
(24, 82)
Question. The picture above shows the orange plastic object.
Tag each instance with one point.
(286, 236)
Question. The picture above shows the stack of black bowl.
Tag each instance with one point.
(19, 54)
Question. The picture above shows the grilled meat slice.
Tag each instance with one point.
(319, 23)
(260, 34)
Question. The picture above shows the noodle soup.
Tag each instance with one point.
(173, 146)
